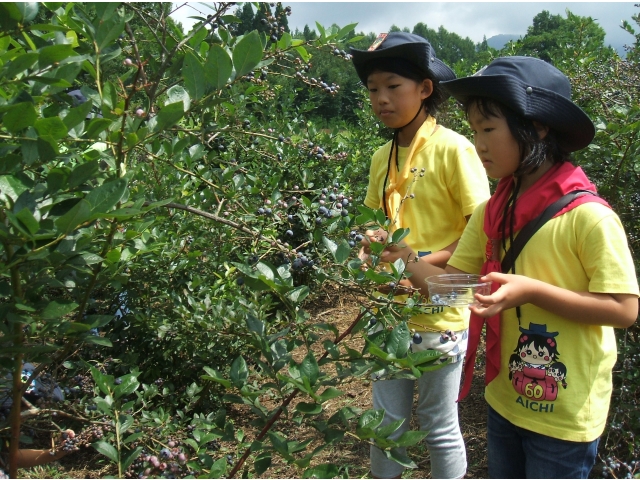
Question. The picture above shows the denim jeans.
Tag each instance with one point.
(518, 453)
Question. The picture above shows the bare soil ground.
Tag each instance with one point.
(351, 454)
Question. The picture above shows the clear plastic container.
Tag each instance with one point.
(456, 290)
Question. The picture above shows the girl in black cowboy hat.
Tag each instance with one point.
(429, 179)
(574, 277)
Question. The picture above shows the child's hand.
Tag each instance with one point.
(391, 253)
(514, 291)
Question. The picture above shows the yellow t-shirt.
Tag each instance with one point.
(555, 374)
(454, 183)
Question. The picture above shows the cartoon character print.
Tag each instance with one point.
(534, 369)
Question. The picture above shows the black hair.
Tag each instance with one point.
(409, 70)
(539, 342)
(533, 149)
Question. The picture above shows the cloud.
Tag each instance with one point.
(467, 19)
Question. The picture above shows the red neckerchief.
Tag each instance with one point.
(555, 183)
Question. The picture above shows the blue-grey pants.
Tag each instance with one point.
(437, 413)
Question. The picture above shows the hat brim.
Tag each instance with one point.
(575, 129)
(416, 53)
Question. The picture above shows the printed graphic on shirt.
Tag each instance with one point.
(534, 369)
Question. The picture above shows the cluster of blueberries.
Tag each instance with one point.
(354, 238)
(439, 300)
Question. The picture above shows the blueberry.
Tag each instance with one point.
(240, 281)
(318, 220)
(336, 185)
(345, 202)
(417, 338)
(351, 243)
(359, 238)
(290, 217)
(297, 264)
(444, 338)
(118, 381)
(392, 284)
(280, 138)
(329, 214)
(261, 211)
(344, 213)
(268, 211)
(372, 322)
(323, 210)
(332, 197)
(324, 191)
(289, 233)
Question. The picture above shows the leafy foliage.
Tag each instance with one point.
(172, 202)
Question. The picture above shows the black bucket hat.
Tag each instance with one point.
(407, 46)
(534, 89)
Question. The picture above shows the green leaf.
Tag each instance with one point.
(218, 469)
(79, 213)
(107, 450)
(29, 221)
(108, 30)
(389, 428)
(105, 342)
(129, 385)
(298, 294)
(179, 94)
(331, 246)
(20, 116)
(132, 456)
(106, 196)
(53, 54)
(52, 126)
(325, 470)
(82, 173)
(247, 53)
(239, 372)
(216, 376)
(398, 457)
(12, 186)
(309, 368)
(218, 67)
(343, 251)
(371, 419)
(193, 74)
(77, 115)
(410, 438)
(398, 341)
(96, 126)
(168, 116)
(58, 309)
(20, 64)
(329, 394)
(262, 463)
(309, 408)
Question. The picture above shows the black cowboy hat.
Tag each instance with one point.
(408, 46)
(534, 89)
(537, 329)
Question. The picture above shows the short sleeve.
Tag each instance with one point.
(469, 254)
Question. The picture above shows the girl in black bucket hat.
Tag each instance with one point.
(426, 175)
(550, 344)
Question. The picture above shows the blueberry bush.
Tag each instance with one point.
(172, 203)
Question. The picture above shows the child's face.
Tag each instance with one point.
(395, 99)
(497, 148)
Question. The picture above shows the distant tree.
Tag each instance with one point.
(309, 34)
(394, 28)
(281, 17)
(552, 36)
(247, 18)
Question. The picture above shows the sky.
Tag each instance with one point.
(467, 19)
